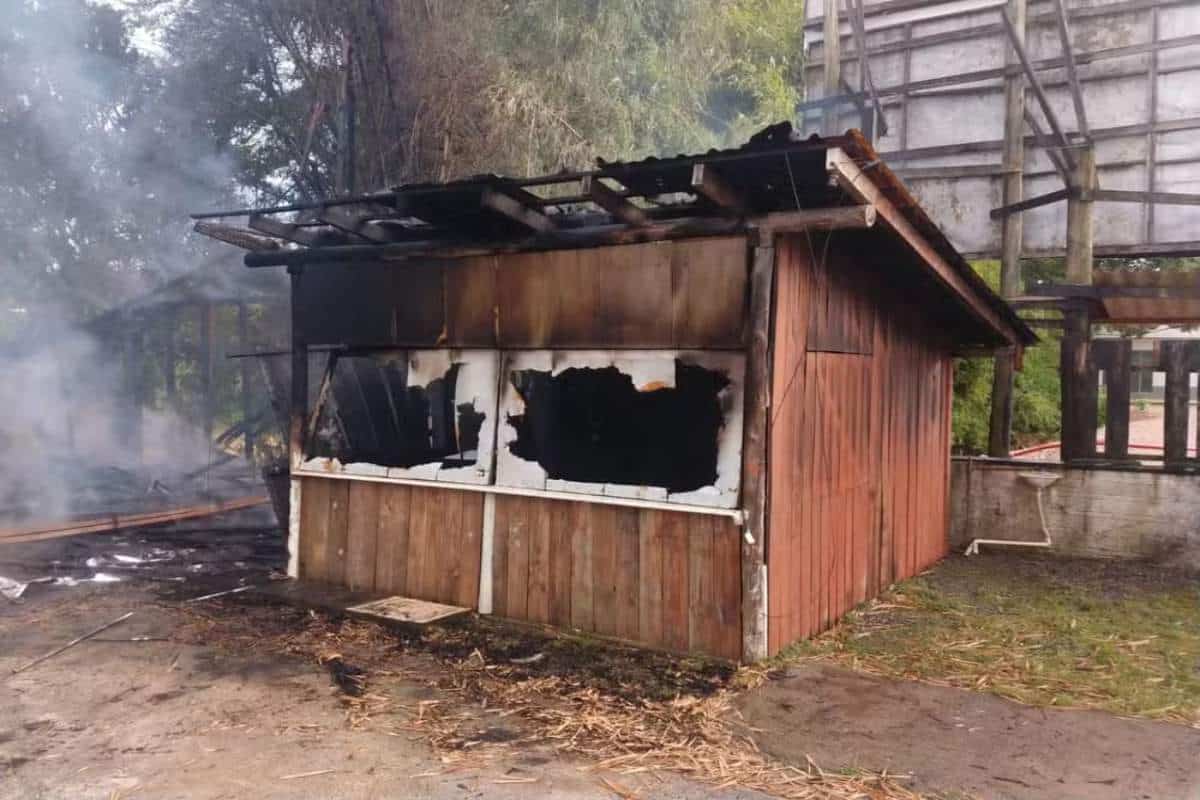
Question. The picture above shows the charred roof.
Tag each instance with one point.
(717, 192)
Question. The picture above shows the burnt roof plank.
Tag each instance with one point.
(613, 203)
(709, 183)
(521, 211)
(294, 233)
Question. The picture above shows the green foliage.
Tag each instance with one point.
(1037, 412)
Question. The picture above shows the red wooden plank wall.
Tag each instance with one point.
(859, 442)
(662, 578)
(387, 539)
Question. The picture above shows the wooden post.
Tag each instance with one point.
(169, 357)
(1080, 219)
(1011, 234)
(831, 48)
(754, 451)
(349, 177)
(1175, 402)
(247, 396)
(207, 366)
(1117, 374)
(297, 422)
(135, 366)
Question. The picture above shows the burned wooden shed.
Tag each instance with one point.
(701, 403)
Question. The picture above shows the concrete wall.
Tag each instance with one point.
(1095, 513)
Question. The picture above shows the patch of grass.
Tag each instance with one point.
(1125, 641)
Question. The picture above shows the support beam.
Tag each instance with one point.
(709, 184)
(1011, 238)
(247, 396)
(754, 452)
(1162, 198)
(831, 50)
(208, 313)
(1033, 202)
(613, 203)
(1015, 39)
(512, 208)
(1080, 222)
(1064, 36)
(1052, 151)
(854, 10)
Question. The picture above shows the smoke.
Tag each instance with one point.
(99, 164)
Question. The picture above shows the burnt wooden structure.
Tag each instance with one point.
(1123, 297)
(701, 403)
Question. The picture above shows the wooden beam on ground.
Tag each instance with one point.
(238, 237)
(1035, 83)
(613, 203)
(1033, 202)
(512, 208)
(1064, 36)
(709, 184)
(863, 189)
(114, 522)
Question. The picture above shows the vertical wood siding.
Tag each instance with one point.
(663, 578)
(385, 539)
(860, 440)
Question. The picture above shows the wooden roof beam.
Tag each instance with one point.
(522, 213)
(858, 185)
(709, 184)
(285, 230)
(238, 237)
(362, 227)
(613, 203)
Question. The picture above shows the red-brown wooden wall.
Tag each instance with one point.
(859, 440)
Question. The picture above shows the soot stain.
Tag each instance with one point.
(594, 426)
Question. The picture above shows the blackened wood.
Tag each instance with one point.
(298, 406)
(754, 453)
(1073, 370)
(1175, 422)
(613, 203)
(512, 208)
(709, 184)
(1117, 373)
(247, 395)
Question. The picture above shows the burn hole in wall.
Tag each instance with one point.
(371, 415)
(593, 425)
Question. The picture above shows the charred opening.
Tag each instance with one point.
(371, 415)
(595, 426)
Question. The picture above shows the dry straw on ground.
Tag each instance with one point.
(621, 734)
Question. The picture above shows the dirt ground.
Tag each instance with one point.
(952, 740)
(229, 698)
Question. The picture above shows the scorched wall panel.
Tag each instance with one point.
(391, 539)
(859, 441)
(662, 578)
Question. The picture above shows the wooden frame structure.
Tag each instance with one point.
(806, 263)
